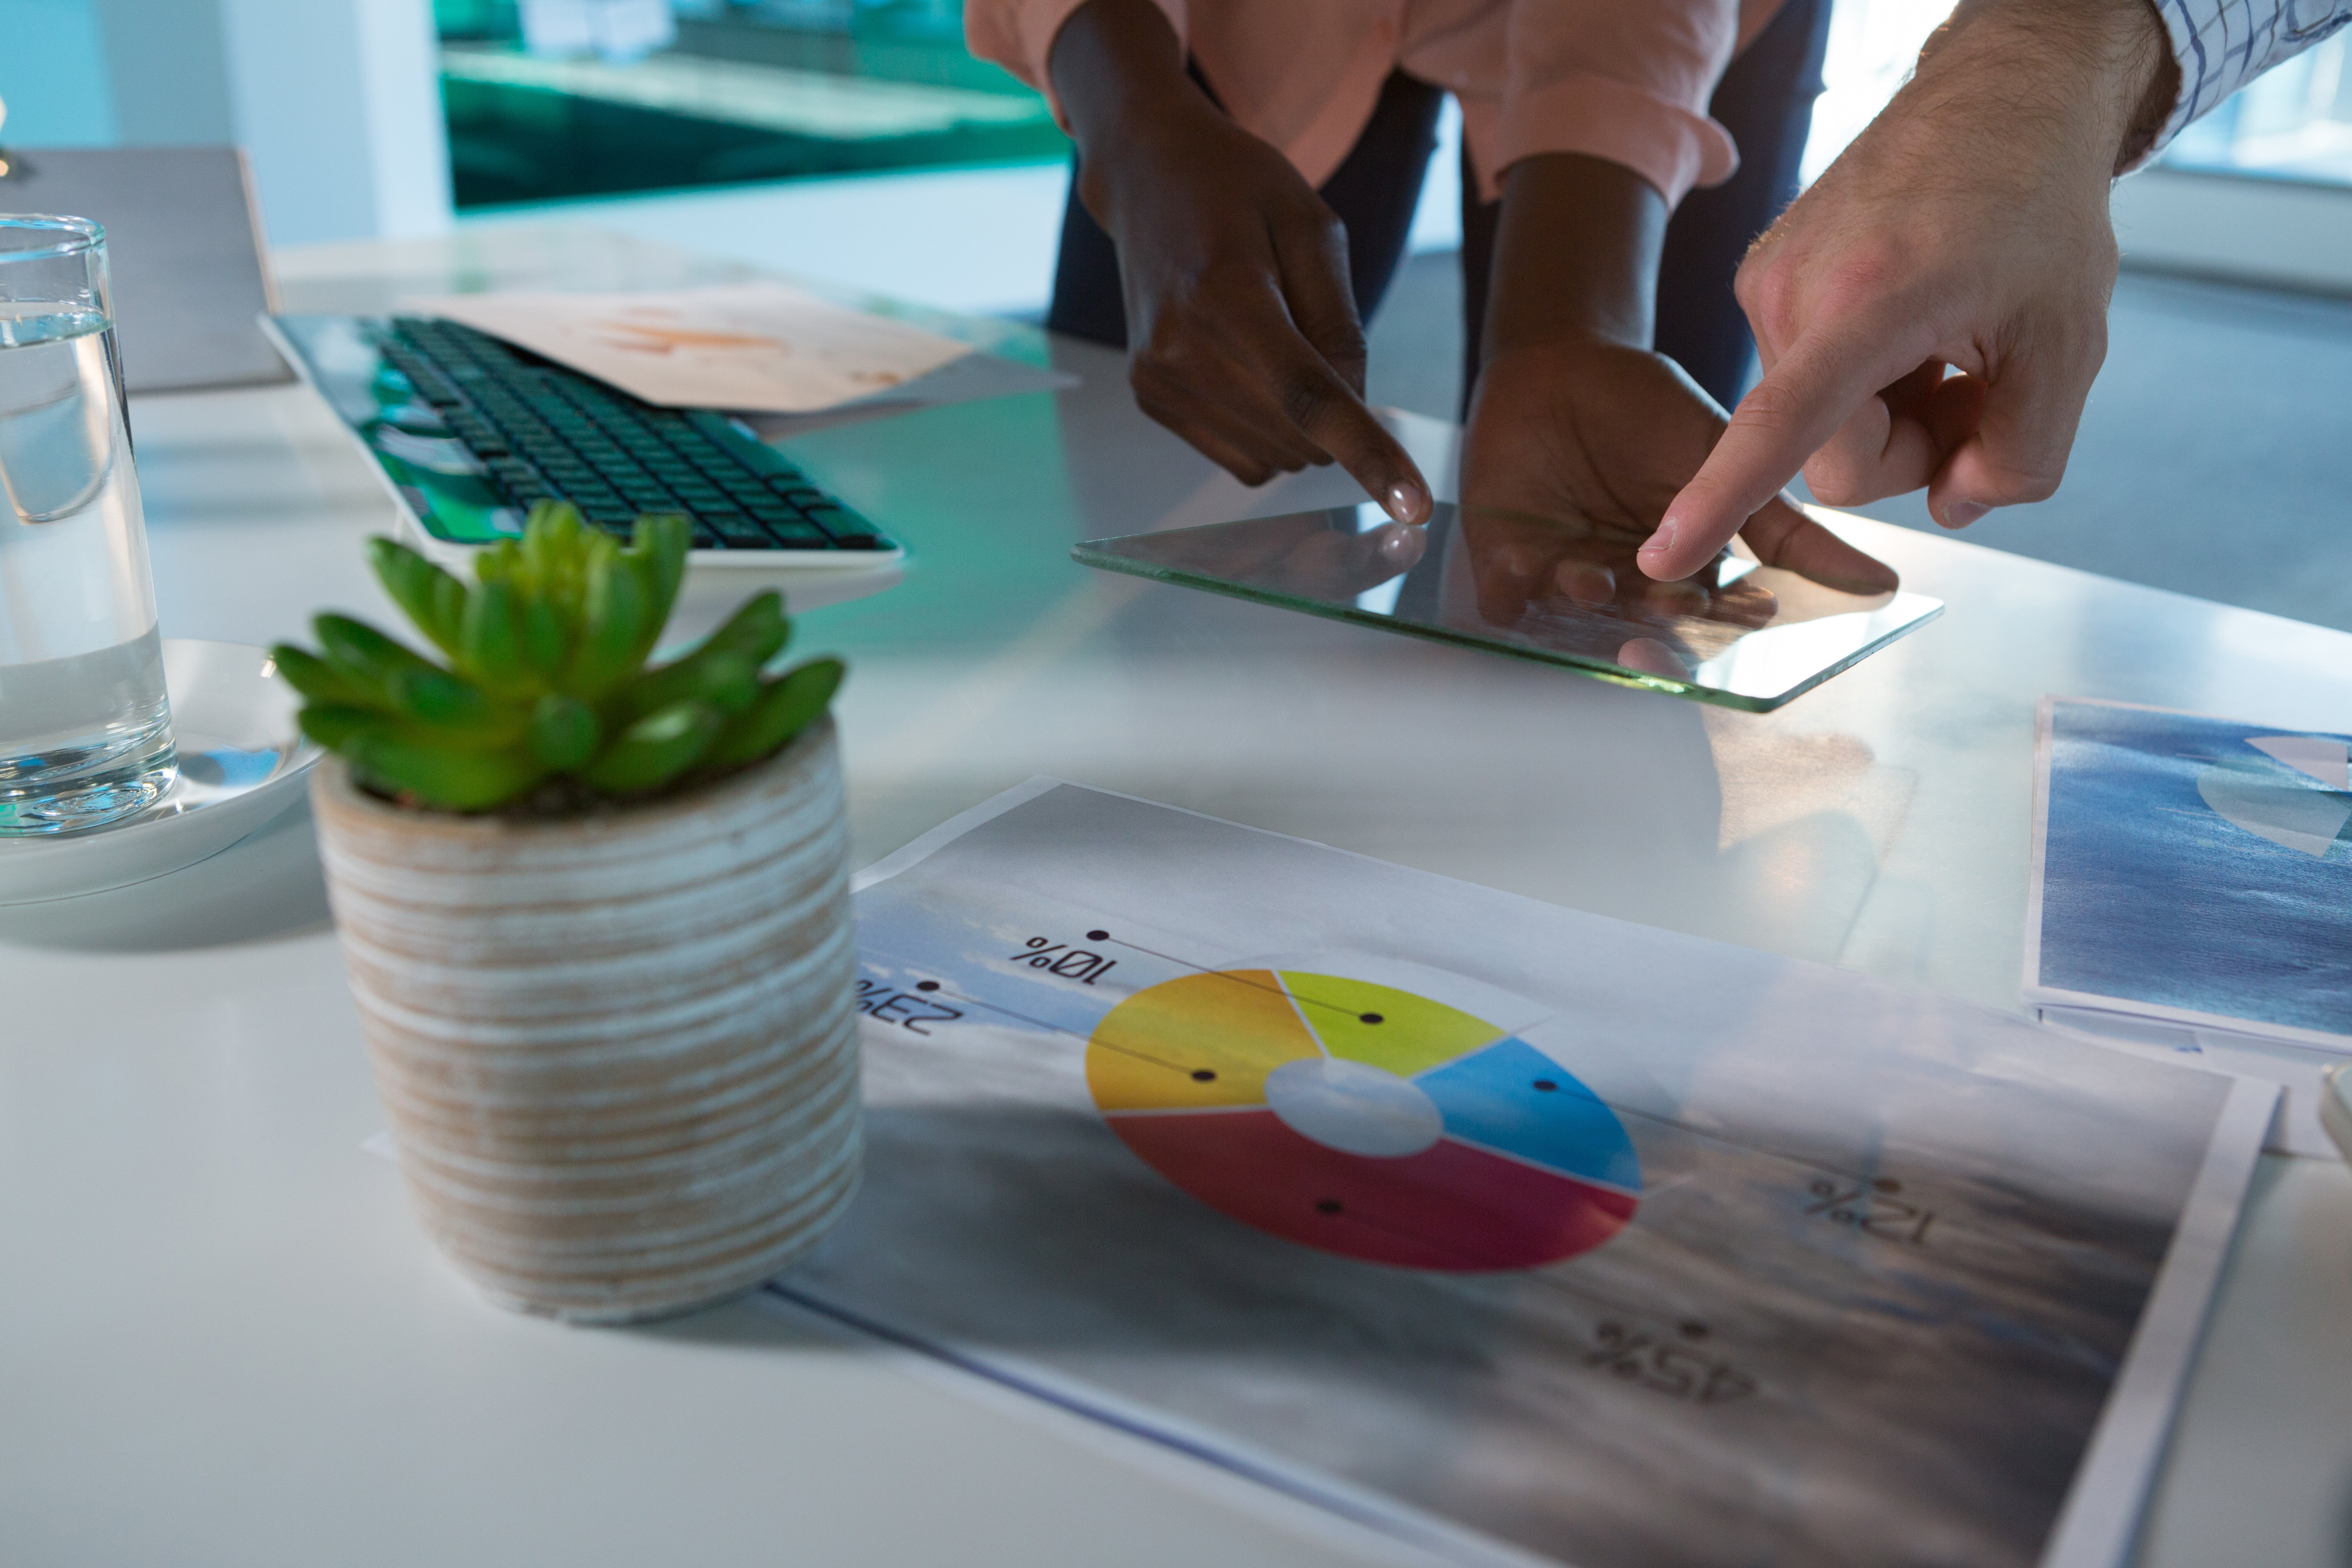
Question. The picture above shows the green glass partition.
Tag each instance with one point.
(549, 98)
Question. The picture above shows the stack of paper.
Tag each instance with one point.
(2192, 893)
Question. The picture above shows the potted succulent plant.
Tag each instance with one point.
(597, 920)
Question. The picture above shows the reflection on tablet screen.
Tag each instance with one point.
(1738, 634)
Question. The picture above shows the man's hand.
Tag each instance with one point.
(1574, 449)
(1934, 309)
(1241, 328)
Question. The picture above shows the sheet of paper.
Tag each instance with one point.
(2192, 871)
(2295, 1126)
(977, 376)
(765, 348)
(1522, 1234)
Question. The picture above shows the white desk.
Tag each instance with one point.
(223, 1341)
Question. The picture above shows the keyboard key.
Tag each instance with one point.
(741, 532)
(836, 520)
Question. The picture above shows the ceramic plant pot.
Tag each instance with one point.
(619, 1050)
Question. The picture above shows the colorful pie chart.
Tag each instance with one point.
(1362, 1120)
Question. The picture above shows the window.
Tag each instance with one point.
(2259, 190)
(571, 98)
(2293, 123)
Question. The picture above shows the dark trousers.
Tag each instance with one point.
(1765, 101)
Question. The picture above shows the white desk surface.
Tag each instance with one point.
(223, 1341)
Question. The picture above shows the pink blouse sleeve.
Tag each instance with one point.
(1627, 80)
(1019, 35)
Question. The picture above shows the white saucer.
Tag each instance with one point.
(242, 762)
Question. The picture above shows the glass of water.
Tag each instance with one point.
(85, 724)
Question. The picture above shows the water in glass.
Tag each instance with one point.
(85, 724)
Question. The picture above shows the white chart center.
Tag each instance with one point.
(1353, 1107)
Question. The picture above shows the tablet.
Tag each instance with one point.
(1738, 634)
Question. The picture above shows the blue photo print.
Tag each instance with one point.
(2197, 869)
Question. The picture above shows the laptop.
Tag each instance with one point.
(470, 432)
(184, 248)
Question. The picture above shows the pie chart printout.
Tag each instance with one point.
(1362, 1120)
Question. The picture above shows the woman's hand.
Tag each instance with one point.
(1575, 448)
(1241, 328)
(1579, 424)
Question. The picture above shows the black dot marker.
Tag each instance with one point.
(1328, 1205)
(927, 985)
(1545, 1085)
(1374, 1018)
(1097, 936)
(1202, 1074)
(1694, 1329)
(1887, 1184)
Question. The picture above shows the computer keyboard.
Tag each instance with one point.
(541, 432)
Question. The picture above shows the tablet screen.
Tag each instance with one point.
(1738, 634)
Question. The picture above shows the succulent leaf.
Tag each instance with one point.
(615, 614)
(337, 727)
(757, 632)
(320, 682)
(785, 706)
(438, 703)
(657, 551)
(546, 642)
(565, 731)
(490, 644)
(729, 683)
(655, 750)
(365, 654)
(447, 776)
(433, 600)
(435, 697)
(551, 545)
(499, 562)
(752, 635)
